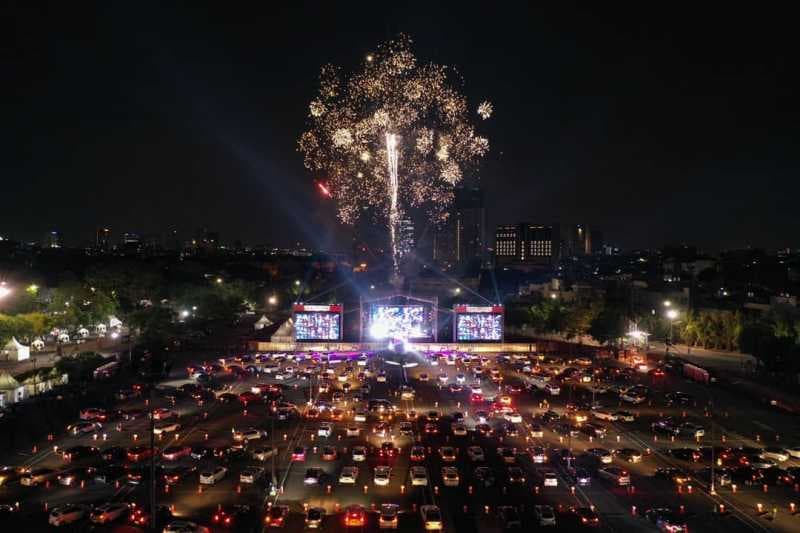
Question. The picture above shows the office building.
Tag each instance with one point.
(470, 224)
(54, 239)
(103, 239)
(527, 245)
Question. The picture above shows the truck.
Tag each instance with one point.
(698, 373)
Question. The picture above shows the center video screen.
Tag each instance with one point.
(317, 326)
(411, 322)
(479, 327)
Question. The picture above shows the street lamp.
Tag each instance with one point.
(667, 303)
(4, 290)
(297, 283)
(272, 300)
(672, 314)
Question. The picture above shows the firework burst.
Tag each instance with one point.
(396, 132)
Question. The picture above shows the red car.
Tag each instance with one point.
(299, 454)
(476, 398)
(354, 516)
(173, 453)
(249, 397)
(139, 453)
(387, 450)
(162, 414)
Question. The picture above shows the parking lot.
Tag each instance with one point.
(537, 448)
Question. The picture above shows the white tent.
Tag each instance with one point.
(285, 332)
(37, 344)
(83, 332)
(11, 391)
(63, 337)
(100, 328)
(262, 322)
(114, 322)
(14, 351)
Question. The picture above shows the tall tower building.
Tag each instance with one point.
(470, 219)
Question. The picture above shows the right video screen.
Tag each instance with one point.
(484, 324)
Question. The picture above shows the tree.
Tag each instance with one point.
(608, 326)
(154, 324)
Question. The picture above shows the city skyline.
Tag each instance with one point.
(599, 116)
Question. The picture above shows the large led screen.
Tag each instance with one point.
(479, 327)
(318, 322)
(412, 322)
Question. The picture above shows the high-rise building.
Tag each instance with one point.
(463, 237)
(508, 239)
(470, 224)
(103, 239)
(54, 239)
(527, 244)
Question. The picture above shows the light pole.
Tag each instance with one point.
(672, 314)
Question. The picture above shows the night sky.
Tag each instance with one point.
(655, 126)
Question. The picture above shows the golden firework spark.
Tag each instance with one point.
(418, 104)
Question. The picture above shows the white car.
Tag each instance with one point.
(382, 475)
(475, 454)
(387, 518)
(352, 431)
(248, 434)
(67, 514)
(251, 475)
(210, 477)
(108, 512)
(325, 430)
(776, 454)
(431, 517)
(381, 377)
(475, 388)
(624, 416)
(459, 430)
(450, 476)
(419, 476)
(603, 414)
(169, 427)
(632, 398)
(553, 389)
(550, 479)
(360, 415)
(545, 515)
(794, 451)
(262, 454)
(359, 454)
(349, 475)
(461, 378)
(513, 417)
(443, 378)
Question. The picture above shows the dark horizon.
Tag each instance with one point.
(656, 128)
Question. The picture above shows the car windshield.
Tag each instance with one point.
(432, 516)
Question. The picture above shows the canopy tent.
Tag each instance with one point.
(114, 322)
(285, 332)
(11, 390)
(100, 328)
(63, 337)
(14, 351)
(37, 344)
(262, 322)
(83, 332)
